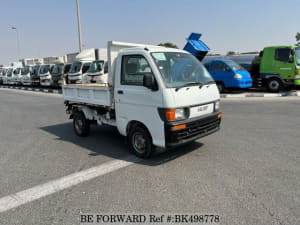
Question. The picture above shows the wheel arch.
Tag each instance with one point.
(134, 123)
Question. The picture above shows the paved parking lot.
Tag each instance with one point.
(248, 173)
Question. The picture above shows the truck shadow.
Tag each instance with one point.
(107, 141)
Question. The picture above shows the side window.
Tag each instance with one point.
(134, 67)
(85, 67)
(218, 66)
(282, 54)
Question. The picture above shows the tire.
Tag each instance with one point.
(81, 125)
(140, 141)
(220, 87)
(274, 85)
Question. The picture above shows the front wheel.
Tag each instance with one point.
(81, 125)
(274, 85)
(140, 142)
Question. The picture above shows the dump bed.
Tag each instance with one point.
(94, 94)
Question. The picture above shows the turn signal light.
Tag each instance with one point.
(220, 115)
(170, 114)
(178, 127)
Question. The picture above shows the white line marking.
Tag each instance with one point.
(51, 187)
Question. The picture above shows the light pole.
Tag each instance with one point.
(79, 26)
(18, 41)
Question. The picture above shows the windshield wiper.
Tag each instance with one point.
(190, 84)
(210, 82)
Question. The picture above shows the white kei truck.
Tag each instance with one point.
(155, 96)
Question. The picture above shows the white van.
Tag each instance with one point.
(156, 97)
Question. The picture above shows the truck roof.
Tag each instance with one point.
(282, 46)
(152, 48)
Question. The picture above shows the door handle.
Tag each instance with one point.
(120, 92)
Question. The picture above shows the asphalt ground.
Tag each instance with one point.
(247, 173)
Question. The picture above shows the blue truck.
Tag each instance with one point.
(226, 73)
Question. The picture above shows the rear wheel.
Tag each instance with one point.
(140, 141)
(81, 125)
(274, 85)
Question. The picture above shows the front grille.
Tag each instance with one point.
(198, 128)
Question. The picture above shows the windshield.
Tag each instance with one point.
(9, 72)
(297, 54)
(234, 66)
(35, 70)
(45, 69)
(96, 67)
(57, 69)
(178, 69)
(17, 71)
(76, 67)
(25, 70)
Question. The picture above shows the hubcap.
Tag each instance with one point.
(139, 142)
(274, 85)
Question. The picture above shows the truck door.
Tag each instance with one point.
(133, 101)
(284, 63)
(222, 73)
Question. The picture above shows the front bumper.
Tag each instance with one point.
(242, 83)
(195, 129)
(297, 82)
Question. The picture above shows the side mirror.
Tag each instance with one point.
(291, 59)
(149, 82)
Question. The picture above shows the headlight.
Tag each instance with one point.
(217, 105)
(237, 76)
(179, 114)
(176, 114)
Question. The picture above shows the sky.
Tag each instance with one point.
(49, 27)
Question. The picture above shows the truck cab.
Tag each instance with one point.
(45, 74)
(278, 66)
(98, 72)
(58, 73)
(17, 76)
(35, 75)
(157, 97)
(25, 75)
(78, 72)
(9, 76)
(228, 74)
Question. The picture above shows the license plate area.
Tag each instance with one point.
(201, 110)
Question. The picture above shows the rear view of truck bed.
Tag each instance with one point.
(94, 94)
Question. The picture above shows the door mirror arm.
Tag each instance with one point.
(149, 82)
